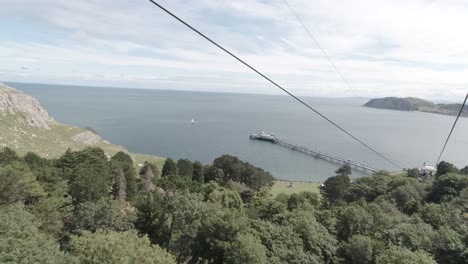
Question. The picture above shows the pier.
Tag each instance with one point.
(318, 154)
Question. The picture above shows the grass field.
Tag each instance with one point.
(283, 187)
(141, 158)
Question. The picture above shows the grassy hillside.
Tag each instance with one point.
(25, 126)
(55, 141)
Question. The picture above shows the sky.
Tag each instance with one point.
(383, 48)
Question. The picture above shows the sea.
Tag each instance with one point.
(159, 122)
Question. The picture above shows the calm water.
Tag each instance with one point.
(158, 122)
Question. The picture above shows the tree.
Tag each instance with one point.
(22, 242)
(55, 207)
(232, 167)
(50, 213)
(401, 255)
(228, 199)
(173, 221)
(117, 247)
(67, 161)
(259, 179)
(120, 185)
(359, 250)
(7, 156)
(315, 237)
(371, 219)
(88, 173)
(447, 187)
(437, 215)
(176, 183)
(217, 236)
(269, 210)
(237, 186)
(354, 220)
(153, 216)
(413, 173)
(122, 160)
(445, 167)
(18, 184)
(464, 171)
(104, 214)
(185, 168)
(154, 169)
(43, 191)
(212, 173)
(414, 236)
(185, 220)
(296, 200)
(34, 161)
(247, 195)
(408, 197)
(370, 187)
(282, 243)
(235, 169)
(198, 174)
(449, 247)
(148, 177)
(334, 188)
(195, 230)
(344, 170)
(169, 168)
(246, 249)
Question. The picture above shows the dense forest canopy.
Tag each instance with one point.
(85, 207)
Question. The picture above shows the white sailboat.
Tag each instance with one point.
(193, 121)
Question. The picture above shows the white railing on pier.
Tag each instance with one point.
(318, 154)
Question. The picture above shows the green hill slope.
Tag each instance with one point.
(395, 103)
(26, 126)
(416, 104)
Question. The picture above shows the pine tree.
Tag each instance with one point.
(123, 161)
(148, 180)
(88, 174)
(120, 186)
(154, 169)
(185, 168)
(7, 156)
(169, 168)
(198, 175)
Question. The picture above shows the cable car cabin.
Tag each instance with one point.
(426, 170)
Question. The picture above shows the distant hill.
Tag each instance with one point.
(416, 104)
(26, 126)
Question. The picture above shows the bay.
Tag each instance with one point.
(159, 122)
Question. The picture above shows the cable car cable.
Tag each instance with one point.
(451, 130)
(271, 81)
(318, 44)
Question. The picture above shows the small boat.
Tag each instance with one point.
(193, 121)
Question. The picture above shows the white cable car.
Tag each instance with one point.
(426, 170)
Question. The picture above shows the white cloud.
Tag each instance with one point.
(402, 48)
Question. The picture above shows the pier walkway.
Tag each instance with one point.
(318, 154)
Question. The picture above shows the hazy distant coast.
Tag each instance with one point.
(416, 104)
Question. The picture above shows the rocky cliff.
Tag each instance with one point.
(26, 126)
(26, 108)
